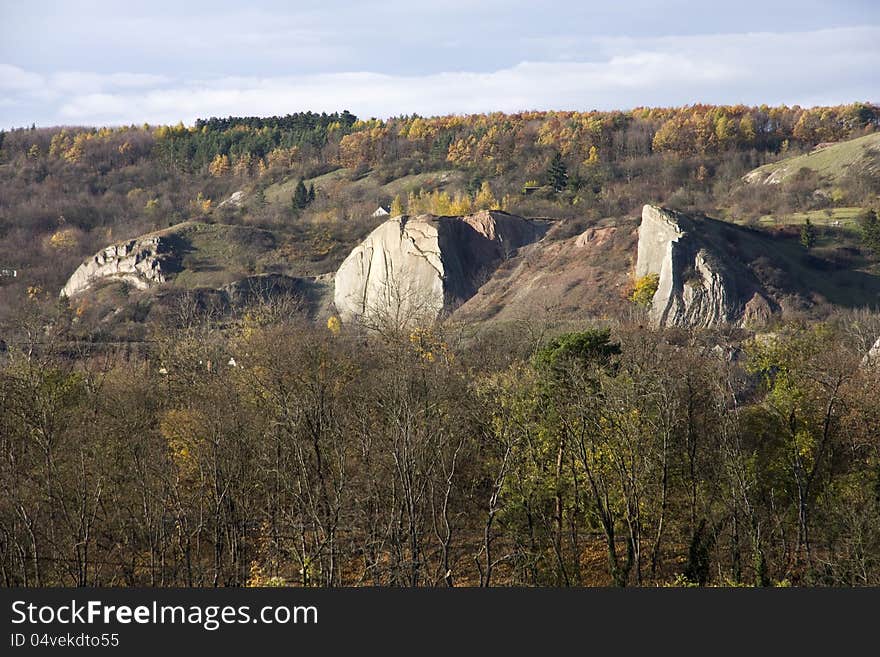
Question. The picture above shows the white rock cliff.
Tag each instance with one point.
(410, 270)
(697, 285)
(141, 262)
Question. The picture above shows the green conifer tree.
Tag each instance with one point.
(869, 224)
(808, 235)
(557, 173)
(300, 196)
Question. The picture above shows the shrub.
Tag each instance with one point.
(644, 289)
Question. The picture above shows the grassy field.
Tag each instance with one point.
(216, 254)
(830, 162)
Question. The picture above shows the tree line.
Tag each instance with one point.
(273, 451)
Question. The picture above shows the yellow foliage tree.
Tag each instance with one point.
(461, 150)
(181, 430)
(243, 165)
(416, 203)
(724, 131)
(644, 290)
(417, 129)
(441, 204)
(202, 204)
(219, 166)
(77, 148)
(64, 239)
(462, 204)
(397, 207)
(747, 128)
(430, 346)
(59, 144)
(485, 199)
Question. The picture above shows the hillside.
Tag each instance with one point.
(227, 266)
(225, 192)
(832, 162)
(367, 185)
(578, 278)
(489, 267)
(590, 276)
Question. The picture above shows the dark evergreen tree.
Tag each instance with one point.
(697, 569)
(300, 196)
(869, 224)
(474, 184)
(557, 173)
(311, 193)
(808, 235)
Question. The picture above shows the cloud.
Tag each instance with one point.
(75, 82)
(16, 80)
(819, 67)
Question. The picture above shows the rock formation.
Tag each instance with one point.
(698, 285)
(411, 270)
(872, 358)
(141, 262)
(236, 199)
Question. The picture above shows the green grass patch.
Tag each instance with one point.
(429, 181)
(215, 254)
(830, 162)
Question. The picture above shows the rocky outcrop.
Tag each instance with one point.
(412, 270)
(758, 311)
(142, 263)
(766, 176)
(698, 284)
(872, 358)
(236, 199)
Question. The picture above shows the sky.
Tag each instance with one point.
(112, 63)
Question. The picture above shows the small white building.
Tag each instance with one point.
(382, 211)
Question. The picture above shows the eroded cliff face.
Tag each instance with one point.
(142, 262)
(578, 278)
(698, 285)
(411, 270)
